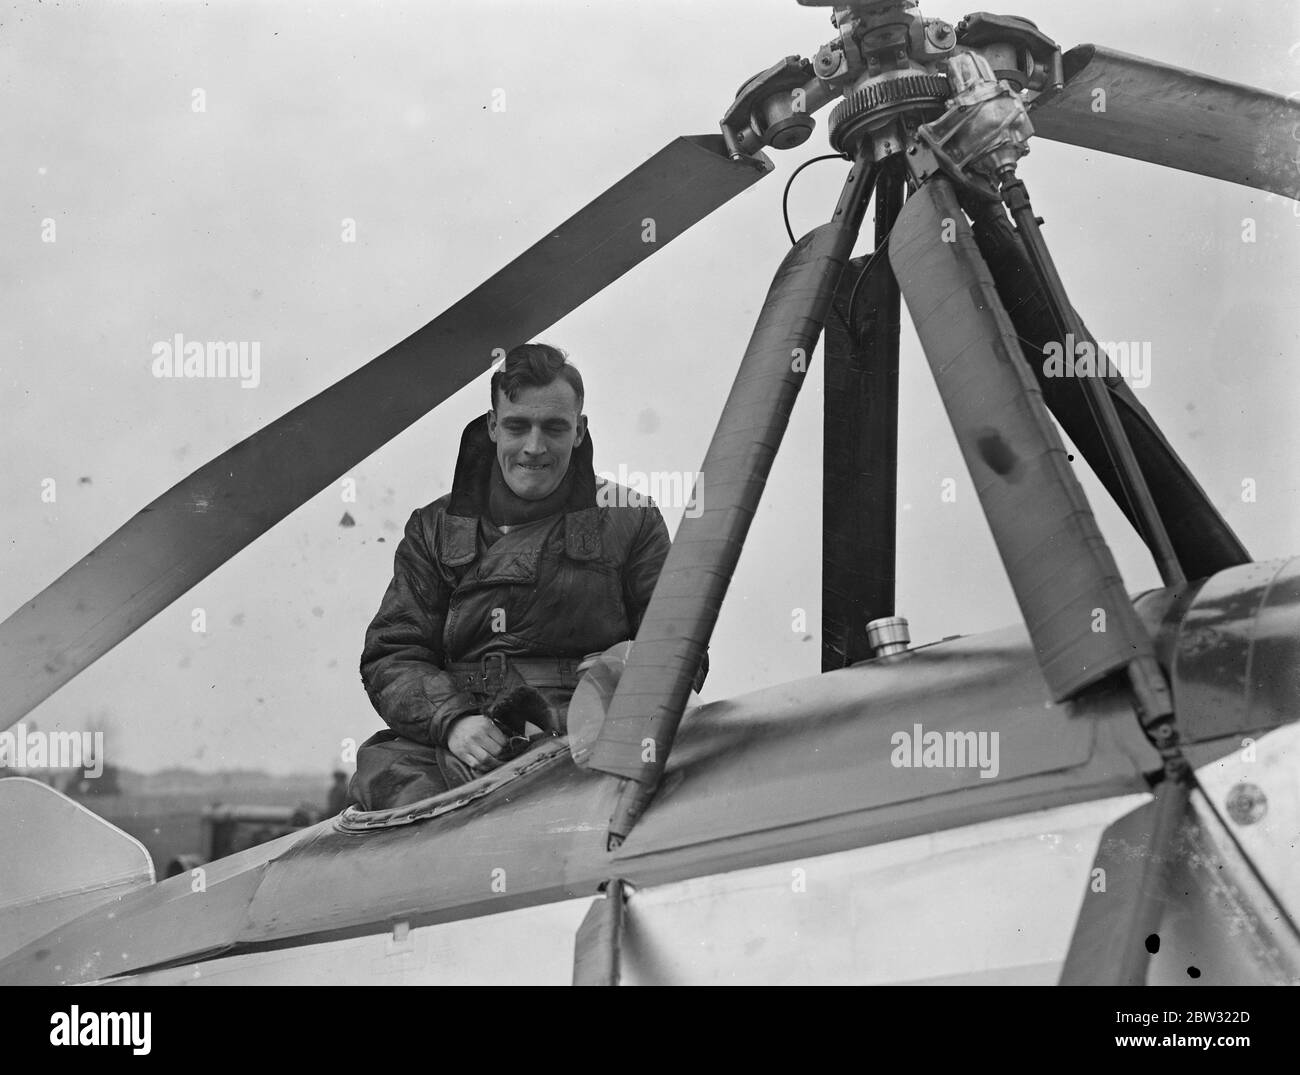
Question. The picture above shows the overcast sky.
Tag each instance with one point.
(227, 224)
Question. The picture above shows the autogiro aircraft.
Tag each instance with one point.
(1103, 793)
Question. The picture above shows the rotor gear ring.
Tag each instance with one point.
(879, 100)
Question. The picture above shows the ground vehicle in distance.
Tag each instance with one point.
(227, 829)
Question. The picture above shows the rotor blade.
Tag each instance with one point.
(1167, 115)
(204, 520)
(1203, 541)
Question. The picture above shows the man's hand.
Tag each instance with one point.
(477, 742)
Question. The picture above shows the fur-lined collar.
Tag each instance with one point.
(469, 492)
(477, 457)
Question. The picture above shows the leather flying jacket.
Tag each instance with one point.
(562, 587)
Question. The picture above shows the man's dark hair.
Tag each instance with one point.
(534, 365)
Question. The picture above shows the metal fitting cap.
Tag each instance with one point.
(888, 635)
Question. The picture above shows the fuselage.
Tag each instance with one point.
(929, 816)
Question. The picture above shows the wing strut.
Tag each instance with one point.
(1111, 940)
(598, 947)
(1070, 593)
(637, 734)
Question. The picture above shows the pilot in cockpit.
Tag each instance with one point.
(501, 588)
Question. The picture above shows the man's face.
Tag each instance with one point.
(535, 435)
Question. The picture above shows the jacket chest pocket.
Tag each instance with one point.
(520, 567)
(553, 602)
(486, 597)
(588, 594)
